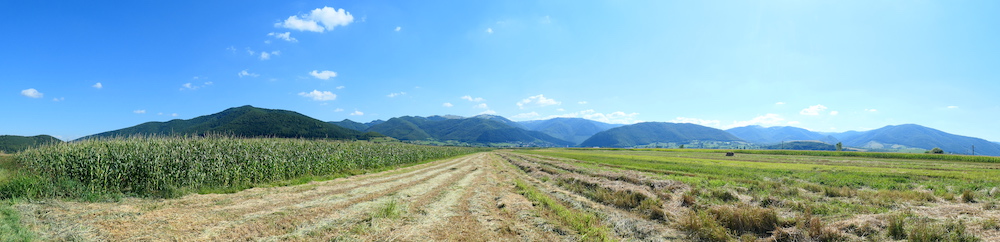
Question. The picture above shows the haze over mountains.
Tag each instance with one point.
(248, 121)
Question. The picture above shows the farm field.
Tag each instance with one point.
(555, 195)
(706, 195)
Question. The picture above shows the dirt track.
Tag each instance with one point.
(456, 199)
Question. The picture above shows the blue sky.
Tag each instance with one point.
(72, 69)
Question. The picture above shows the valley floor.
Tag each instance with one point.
(544, 196)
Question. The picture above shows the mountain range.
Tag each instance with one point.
(249, 121)
(649, 132)
(482, 129)
(771, 135)
(245, 121)
(888, 137)
(575, 130)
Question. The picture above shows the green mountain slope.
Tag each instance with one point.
(771, 135)
(912, 135)
(649, 132)
(13, 143)
(245, 121)
(473, 130)
(350, 124)
(801, 145)
(575, 130)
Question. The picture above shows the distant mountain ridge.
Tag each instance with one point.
(776, 134)
(575, 130)
(917, 136)
(350, 124)
(245, 121)
(650, 132)
(14, 143)
(479, 129)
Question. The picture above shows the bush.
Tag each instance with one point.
(968, 196)
(951, 231)
(725, 196)
(745, 218)
(701, 226)
(896, 229)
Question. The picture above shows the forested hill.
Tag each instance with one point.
(245, 121)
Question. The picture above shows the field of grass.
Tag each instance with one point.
(784, 195)
(170, 167)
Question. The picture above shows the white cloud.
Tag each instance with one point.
(813, 110)
(481, 105)
(58, 99)
(189, 86)
(618, 117)
(871, 110)
(32, 93)
(614, 118)
(396, 94)
(539, 99)
(952, 107)
(318, 20)
(340, 87)
(447, 105)
(779, 103)
(246, 73)
(489, 30)
(338, 110)
(398, 28)
(319, 96)
(702, 122)
(560, 110)
(232, 48)
(173, 114)
(160, 113)
(582, 102)
(325, 75)
(794, 122)
(265, 56)
(525, 115)
(267, 41)
(489, 112)
(470, 98)
(834, 113)
(286, 36)
(98, 85)
(763, 120)
(140, 111)
(546, 20)
(357, 113)
(249, 51)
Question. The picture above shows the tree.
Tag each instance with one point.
(936, 150)
(682, 146)
(840, 147)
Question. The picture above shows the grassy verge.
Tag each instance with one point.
(10, 220)
(586, 224)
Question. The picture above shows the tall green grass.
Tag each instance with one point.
(173, 166)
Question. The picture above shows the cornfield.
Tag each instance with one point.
(151, 165)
